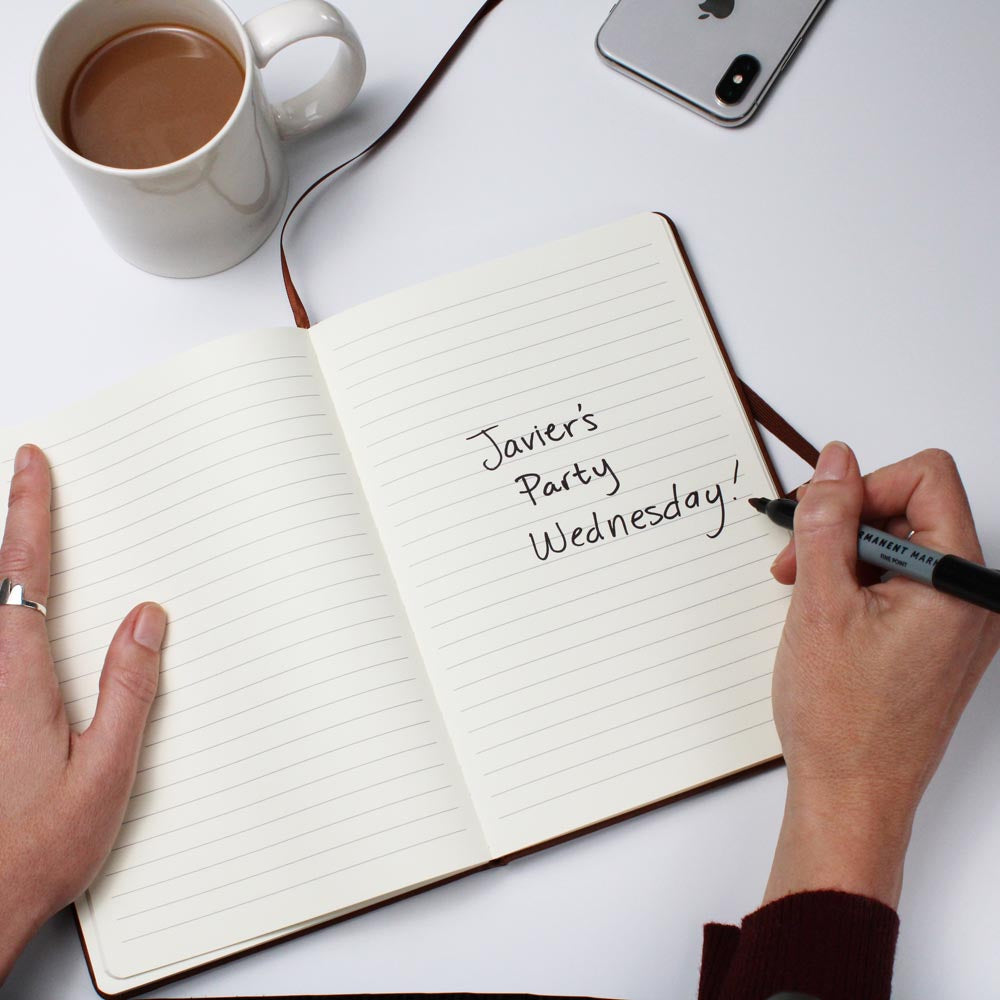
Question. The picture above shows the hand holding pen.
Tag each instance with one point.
(869, 681)
(903, 556)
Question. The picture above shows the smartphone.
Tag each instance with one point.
(716, 57)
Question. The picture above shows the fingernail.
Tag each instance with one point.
(833, 462)
(150, 627)
(22, 458)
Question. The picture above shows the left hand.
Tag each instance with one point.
(63, 793)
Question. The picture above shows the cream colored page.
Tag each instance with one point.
(559, 466)
(295, 763)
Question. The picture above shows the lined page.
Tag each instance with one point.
(558, 464)
(295, 763)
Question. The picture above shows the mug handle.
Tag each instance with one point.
(291, 22)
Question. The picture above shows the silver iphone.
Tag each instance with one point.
(716, 57)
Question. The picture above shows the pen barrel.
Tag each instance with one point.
(896, 555)
(969, 581)
(950, 574)
(781, 512)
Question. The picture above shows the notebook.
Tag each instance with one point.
(450, 576)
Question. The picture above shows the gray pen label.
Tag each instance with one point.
(895, 554)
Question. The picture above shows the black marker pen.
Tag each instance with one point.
(949, 574)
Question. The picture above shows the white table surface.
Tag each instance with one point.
(846, 240)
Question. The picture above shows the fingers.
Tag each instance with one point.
(128, 686)
(927, 491)
(826, 528)
(783, 567)
(24, 556)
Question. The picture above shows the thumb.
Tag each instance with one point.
(826, 527)
(128, 687)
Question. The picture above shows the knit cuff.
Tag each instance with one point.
(829, 944)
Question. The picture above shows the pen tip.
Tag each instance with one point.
(758, 503)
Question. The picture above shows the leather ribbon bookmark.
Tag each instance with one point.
(298, 309)
(764, 414)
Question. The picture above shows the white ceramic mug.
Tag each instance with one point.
(211, 209)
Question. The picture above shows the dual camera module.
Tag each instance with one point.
(737, 79)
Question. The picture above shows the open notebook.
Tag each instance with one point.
(449, 576)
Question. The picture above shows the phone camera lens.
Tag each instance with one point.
(737, 79)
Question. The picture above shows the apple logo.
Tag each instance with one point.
(717, 8)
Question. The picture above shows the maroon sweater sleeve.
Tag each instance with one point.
(828, 944)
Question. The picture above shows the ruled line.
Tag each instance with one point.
(534, 345)
(286, 840)
(589, 461)
(486, 295)
(632, 770)
(275, 628)
(590, 437)
(274, 819)
(187, 385)
(602, 590)
(609, 611)
(614, 728)
(286, 864)
(287, 694)
(558, 402)
(605, 588)
(157, 444)
(607, 659)
(569, 555)
(188, 499)
(214, 534)
(550, 382)
(627, 628)
(168, 417)
(632, 746)
(209, 583)
(217, 463)
(540, 565)
(249, 614)
(515, 329)
(343, 722)
(267, 774)
(284, 649)
(285, 672)
(568, 441)
(232, 503)
(521, 504)
(263, 656)
(533, 522)
(298, 885)
(520, 371)
(187, 569)
(281, 625)
(538, 706)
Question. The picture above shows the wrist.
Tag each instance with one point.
(854, 840)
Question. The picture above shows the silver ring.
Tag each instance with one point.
(913, 531)
(13, 593)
